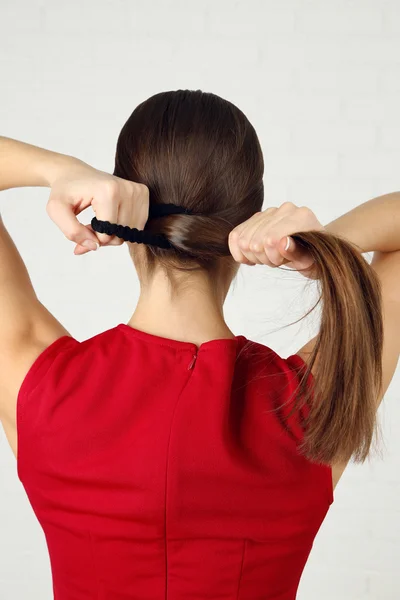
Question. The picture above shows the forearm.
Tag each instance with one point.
(372, 226)
(24, 165)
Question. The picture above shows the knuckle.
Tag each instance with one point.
(107, 195)
(112, 187)
(255, 246)
(103, 237)
(142, 189)
(288, 206)
(269, 240)
(304, 211)
(72, 234)
(243, 243)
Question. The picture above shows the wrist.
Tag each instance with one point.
(53, 166)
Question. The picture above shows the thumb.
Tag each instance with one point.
(299, 258)
(79, 249)
(63, 215)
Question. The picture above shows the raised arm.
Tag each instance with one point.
(24, 165)
(27, 328)
(356, 351)
(25, 324)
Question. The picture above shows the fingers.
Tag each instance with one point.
(123, 216)
(262, 239)
(123, 202)
(247, 244)
(299, 259)
(115, 241)
(113, 199)
(126, 204)
(287, 249)
(239, 240)
(106, 210)
(267, 252)
(63, 215)
(78, 250)
(113, 212)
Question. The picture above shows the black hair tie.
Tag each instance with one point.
(162, 210)
(131, 234)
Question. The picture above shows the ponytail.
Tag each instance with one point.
(346, 361)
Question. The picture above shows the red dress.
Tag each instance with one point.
(162, 472)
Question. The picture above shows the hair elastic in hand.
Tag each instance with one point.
(131, 234)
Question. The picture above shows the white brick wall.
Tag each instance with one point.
(320, 80)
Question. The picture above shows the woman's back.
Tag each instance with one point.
(191, 469)
(157, 469)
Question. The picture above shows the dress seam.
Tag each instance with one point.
(94, 563)
(241, 570)
(166, 481)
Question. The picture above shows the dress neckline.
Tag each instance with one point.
(179, 344)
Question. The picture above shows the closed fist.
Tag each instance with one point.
(264, 239)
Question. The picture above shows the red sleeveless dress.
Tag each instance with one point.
(159, 471)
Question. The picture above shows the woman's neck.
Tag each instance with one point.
(193, 314)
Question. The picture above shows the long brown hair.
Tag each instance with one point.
(200, 151)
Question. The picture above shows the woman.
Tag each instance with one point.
(168, 457)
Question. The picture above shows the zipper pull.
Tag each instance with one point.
(191, 365)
